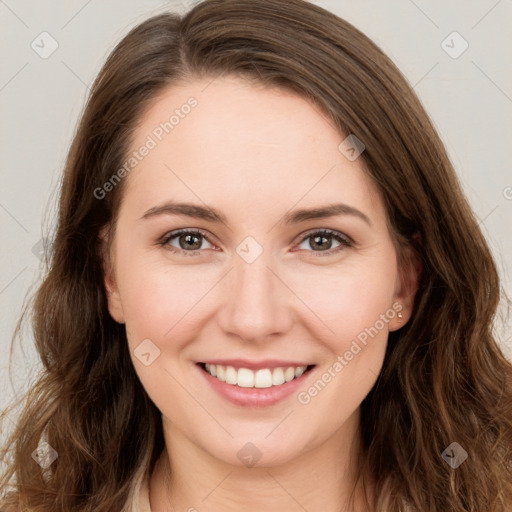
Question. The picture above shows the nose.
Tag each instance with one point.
(256, 302)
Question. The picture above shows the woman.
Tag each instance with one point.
(200, 352)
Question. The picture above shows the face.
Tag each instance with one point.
(261, 281)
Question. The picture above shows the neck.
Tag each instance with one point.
(186, 478)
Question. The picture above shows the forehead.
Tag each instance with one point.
(227, 138)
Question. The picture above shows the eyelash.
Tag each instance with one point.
(344, 240)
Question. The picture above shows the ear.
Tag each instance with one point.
(406, 288)
(115, 307)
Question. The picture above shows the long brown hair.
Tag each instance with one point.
(444, 377)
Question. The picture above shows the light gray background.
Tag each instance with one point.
(468, 99)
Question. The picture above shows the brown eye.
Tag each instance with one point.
(187, 241)
(322, 241)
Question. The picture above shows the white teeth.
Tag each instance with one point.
(263, 379)
(231, 375)
(289, 374)
(299, 371)
(278, 377)
(245, 378)
(221, 373)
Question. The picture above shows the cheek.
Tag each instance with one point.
(347, 301)
(160, 305)
(166, 304)
(353, 308)
(159, 301)
(357, 309)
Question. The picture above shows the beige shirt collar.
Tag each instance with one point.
(143, 503)
(138, 501)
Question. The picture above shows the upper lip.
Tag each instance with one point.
(256, 365)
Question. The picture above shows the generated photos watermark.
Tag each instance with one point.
(305, 397)
(152, 140)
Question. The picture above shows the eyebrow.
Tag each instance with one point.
(213, 215)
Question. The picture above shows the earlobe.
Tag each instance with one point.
(407, 286)
(109, 280)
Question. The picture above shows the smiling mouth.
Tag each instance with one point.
(262, 378)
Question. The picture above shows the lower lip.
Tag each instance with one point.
(254, 397)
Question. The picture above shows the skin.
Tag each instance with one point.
(255, 154)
